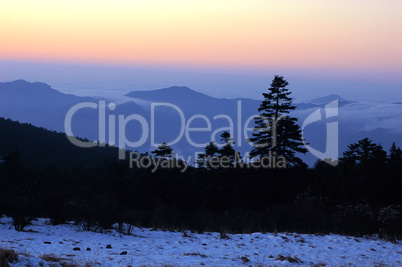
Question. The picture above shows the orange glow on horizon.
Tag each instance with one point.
(363, 34)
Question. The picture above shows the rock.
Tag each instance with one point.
(123, 253)
(244, 259)
(76, 248)
(109, 246)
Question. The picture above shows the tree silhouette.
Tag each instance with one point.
(163, 151)
(215, 157)
(204, 159)
(365, 154)
(228, 151)
(395, 155)
(276, 133)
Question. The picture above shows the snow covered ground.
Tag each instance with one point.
(154, 247)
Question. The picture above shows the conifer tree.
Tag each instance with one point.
(215, 157)
(228, 151)
(276, 134)
(366, 155)
(395, 155)
(163, 151)
(211, 151)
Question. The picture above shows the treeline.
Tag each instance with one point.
(359, 196)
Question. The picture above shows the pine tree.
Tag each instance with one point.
(224, 157)
(365, 154)
(228, 151)
(395, 155)
(163, 151)
(211, 151)
(276, 133)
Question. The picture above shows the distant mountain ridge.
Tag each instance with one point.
(180, 94)
(33, 94)
(167, 93)
(41, 105)
(330, 98)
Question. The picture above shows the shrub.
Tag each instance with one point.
(390, 220)
(125, 228)
(223, 235)
(20, 221)
(21, 210)
(354, 219)
(88, 224)
(289, 259)
(7, 256)
(56, 207)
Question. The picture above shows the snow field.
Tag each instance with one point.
(156, 247)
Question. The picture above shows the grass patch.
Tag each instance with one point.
(289, 259)
(7, 256)
(195, 254)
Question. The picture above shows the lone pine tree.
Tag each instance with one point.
(276, 133)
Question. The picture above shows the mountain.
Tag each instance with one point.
(136, 125)
(172, 94)
(32, 95)
(192, 102)
(330, 98)
(41, 105)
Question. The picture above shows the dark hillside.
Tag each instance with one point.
(39, 147)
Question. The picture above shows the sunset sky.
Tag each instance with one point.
(348, 35)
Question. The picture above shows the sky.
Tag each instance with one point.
(325, 40)
(363, 34)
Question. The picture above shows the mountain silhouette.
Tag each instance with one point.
(32, 95)
(330, 98)
(41, 105)
(170, 94)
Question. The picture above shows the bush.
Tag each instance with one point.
(7, 256)
(88, 224)
(21, 209)
(354, 219)
(289, 259)
(56, 207)
(390, 222)
(125, 228)
(20, 221)
(93, 214)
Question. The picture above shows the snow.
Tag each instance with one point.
(156, 247)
